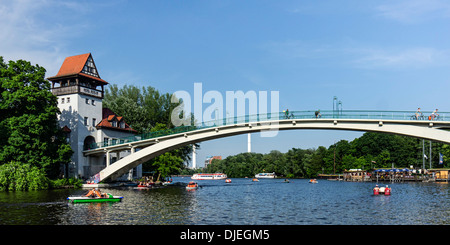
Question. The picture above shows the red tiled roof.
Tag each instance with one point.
(108, 116)
(73, 65)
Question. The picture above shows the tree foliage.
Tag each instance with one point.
(148, 110)
(371, 150)
(29, 130)
(15, 176)
(142, 107)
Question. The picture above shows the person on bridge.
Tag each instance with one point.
(418, 113)
(434, 114)
(318, 115)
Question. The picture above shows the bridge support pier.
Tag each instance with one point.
(194, 157)
(130, 173)
(108, 158)
(249, 143)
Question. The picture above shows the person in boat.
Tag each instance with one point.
(192, 185)
(94, 193)
(376, 190)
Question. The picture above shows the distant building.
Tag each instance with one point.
(355, 175)
(440, 174)
(80, 91)
(210, 158)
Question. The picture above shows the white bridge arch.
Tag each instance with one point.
(152, 147)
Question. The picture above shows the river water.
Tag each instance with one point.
(242, 202)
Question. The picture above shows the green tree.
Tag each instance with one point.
(295, 162)
(29, 130)
(169, 163)
(383, 160)
(142, 107)
(402, 150)
(15, 176)
(147, 110)
(317, 162)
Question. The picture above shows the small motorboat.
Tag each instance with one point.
(228, 181)
(108, 197)
(192, 186)
(255, 180)
(286, 181)
(313, 181)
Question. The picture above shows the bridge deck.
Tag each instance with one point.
(403, 117)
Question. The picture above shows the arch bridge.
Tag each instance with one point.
(153, 144)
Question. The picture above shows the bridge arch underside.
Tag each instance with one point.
(435, 131)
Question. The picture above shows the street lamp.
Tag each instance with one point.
(334, 102)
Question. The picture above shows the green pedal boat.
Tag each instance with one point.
(84, 199)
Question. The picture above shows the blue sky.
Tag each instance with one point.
(372, 55)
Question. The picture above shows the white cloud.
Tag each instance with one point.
(404, 58)
(413, 11)
(356, 55)
(37, 31)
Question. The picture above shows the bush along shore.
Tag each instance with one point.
(15, 176)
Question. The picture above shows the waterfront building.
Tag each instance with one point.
(355, 175)
(80, 90)
(440, 174)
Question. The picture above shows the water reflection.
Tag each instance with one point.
(241, 202)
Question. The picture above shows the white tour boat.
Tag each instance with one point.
(265, 175)
(206, 176)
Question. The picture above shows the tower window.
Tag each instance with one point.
(86, 121)
(87, 101)
(68, 99)
(93, 102)
(62, 100)
(93, 122)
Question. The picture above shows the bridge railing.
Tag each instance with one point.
(312, 114)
